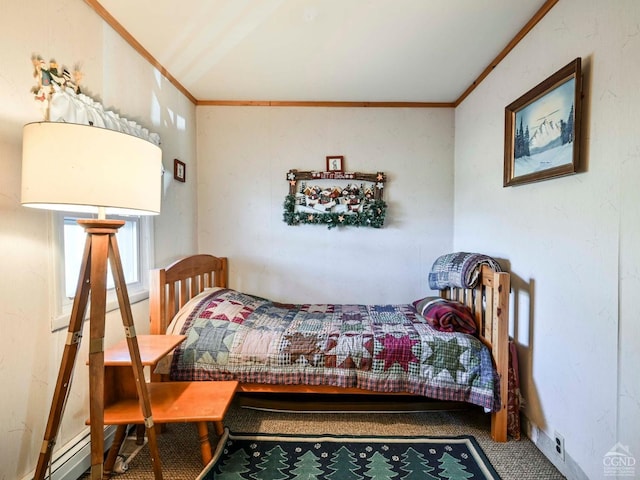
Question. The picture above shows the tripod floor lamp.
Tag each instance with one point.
(82, 168)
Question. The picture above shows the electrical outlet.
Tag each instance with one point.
(559, 445)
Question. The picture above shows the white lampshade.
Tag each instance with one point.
(81, 168)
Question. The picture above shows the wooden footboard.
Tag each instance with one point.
(175, 285)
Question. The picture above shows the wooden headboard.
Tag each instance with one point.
(489, 302)
(175, 285)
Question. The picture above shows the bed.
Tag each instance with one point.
(271, 347)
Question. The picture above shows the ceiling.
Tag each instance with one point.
(322, 50)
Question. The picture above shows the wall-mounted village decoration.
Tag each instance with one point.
(355, 199)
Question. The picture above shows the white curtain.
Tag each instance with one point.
(67, 106)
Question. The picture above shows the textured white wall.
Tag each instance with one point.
(70, 32)
(570, 241)
(244, 154)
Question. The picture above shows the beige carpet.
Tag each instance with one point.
(180, 453)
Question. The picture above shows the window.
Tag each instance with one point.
(134, 244)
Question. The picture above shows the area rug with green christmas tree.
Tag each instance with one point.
(334, 457)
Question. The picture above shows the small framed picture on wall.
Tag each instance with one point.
(335, 163)
(179, 170)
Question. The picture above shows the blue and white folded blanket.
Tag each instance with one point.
(460, 269)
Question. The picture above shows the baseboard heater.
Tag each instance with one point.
(74, 458)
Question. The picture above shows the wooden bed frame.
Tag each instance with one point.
(175, 285)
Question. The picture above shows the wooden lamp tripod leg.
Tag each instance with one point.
(99, 253)
(134, 353)
(74, 335)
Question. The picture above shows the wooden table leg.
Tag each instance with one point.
(140, 433)
(205, 445)
(219, 428)
(121, 432)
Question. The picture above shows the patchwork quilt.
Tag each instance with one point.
(382, 348)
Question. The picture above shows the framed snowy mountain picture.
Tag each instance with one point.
(542, 129)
